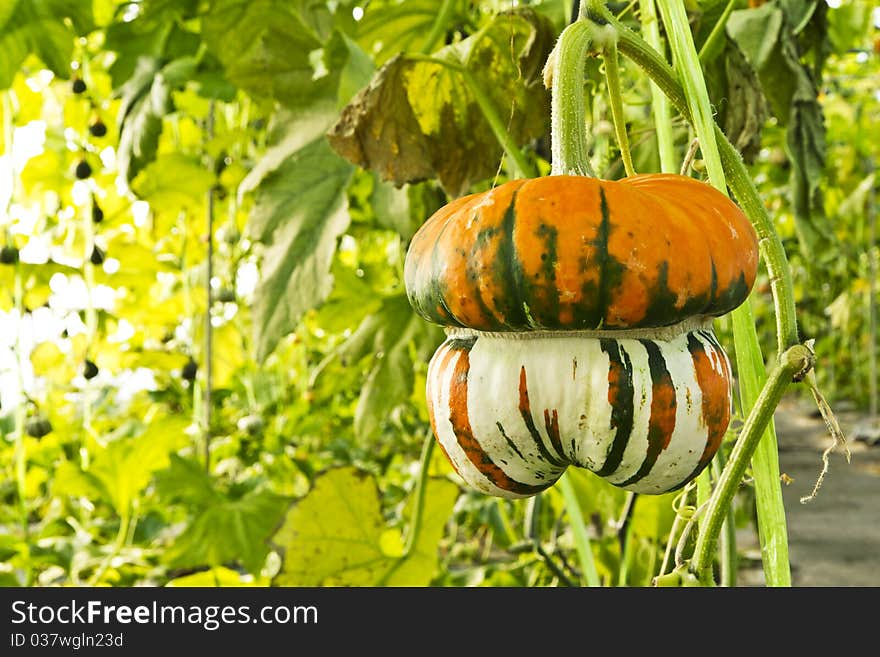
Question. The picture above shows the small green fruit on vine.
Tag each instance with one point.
(83, 170)
(90, 370)
(38, 426)
(97, 256)
(79, 86)
(189, 370)
(225, 295)
(8, 255)
(229, 234)
(98, 128)
(251, 424)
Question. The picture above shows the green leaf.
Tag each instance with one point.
(41, 27)
(230, 530)
(219, 576)
(653, 515)
(399, 27)
(595, 495)
(393, 207)
(69, 479)
(386, 336)
(849, 25)
(419, 119)
(266, 48)
(152, 35)
(159, 183)
(186, 480)
(146, 99)
(299, 212)
(337, 535)
(127, 464)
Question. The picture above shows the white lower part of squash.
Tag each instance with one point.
(646, 415)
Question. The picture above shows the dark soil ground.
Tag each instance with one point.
(834, 540)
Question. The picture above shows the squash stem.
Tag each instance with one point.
(568, 119)
(750, 362)
(775, 557)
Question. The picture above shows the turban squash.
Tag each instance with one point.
(578, 315)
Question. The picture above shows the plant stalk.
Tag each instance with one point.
(659, 102)
(579, 530)
(209, 326)
(690, 73)
(438, 27)
(612, 79)
(418, 511)
(707, 52)
(794, 364)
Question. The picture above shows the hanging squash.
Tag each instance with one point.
(579, 320)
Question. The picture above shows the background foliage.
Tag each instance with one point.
(209, 372)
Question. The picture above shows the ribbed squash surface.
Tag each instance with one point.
(573, 253)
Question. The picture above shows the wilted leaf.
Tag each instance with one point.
(745, 109)
(337, 536)
(767, 36)
(420, 119)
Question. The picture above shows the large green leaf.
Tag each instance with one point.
(420, 119)
(159, 183)
(146, 99)
(385, 336)
(299, 211)
(265, 47)
(44, 27)
(389, 28)
(225, 527)
(231, 530)
(122, 469)
(337, 535)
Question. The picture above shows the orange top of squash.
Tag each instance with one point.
(574, 253)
